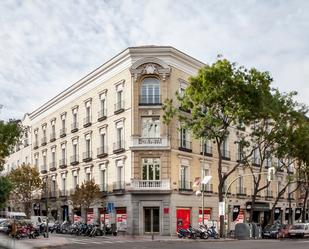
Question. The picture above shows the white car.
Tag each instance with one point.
(4, 226)
(299, 230)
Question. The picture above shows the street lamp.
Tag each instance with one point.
(46, 205)
(205, 180)
(270, 177)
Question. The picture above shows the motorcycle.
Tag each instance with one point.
(202, 232)
(213, 233)
(187, 233)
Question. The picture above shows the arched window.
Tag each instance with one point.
(150, 92)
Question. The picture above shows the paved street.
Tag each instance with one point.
(186, 244)
(165, 242)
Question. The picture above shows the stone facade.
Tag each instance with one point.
(108, 127)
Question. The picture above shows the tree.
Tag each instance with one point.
(5, 189)
(268, 140)
(221, 96)
(86, 195)
(9, 134)
(26, 181)
(299, 145)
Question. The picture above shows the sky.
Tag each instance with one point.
(46, 46)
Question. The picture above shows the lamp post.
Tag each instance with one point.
(46, 205)
(269, 173)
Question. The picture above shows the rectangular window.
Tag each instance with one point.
(150, 127)
(53, 186)
(151, 169)
(119, 96)
(88, 146)
(119, 174)
(103, 180)
(103, 106)
(224, 149)
(63, 185)
(53, 157)
(44, 162)
(75, 118)
(103, 141)
(184, 177)
(119, 134)
(88, 111)
(75, 181)
(63, 156)
(63, 124)
(184, 139)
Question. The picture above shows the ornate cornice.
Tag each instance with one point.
(150, 66)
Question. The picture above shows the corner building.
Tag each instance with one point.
(108, 127)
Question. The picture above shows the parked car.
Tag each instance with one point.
(4, 226)
(299, 230)
(272, 231)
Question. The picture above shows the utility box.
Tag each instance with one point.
(256, 231)
(243, 231)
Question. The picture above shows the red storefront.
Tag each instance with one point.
(183, 218)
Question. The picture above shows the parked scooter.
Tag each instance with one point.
(202, 232)
(213, 233)
(189, 233)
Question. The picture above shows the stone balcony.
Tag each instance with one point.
(150, 185)
(153, 143)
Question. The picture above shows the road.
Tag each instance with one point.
(97, 243)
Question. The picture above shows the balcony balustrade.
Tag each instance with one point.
(185, 145)
(119, 107)
(87, 156)
(102, 152)
(43, 141)
(74, 160)
(150, 100)
(63, 163)
(151, 184)
(53, 166)
(87, 121)
(52, 137)
(63, 132)
(150, 143)
(102, 115)
(118, 146)
(74, 127)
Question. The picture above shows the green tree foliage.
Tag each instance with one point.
(221, 96)
(5, 189)
(268, 141)
(86, 195)
(299, 146)
(26, 183)
(9, 134)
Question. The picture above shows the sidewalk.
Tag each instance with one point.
(32, 243)
(56, 240)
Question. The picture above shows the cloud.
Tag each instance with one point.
(46, 46)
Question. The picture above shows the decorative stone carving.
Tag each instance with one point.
(152, 66)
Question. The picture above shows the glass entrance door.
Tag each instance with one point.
(151, 220)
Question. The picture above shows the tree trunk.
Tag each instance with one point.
(221, 199)
(27, 208)
(305, 205)
(86, 212)
(253, 199)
